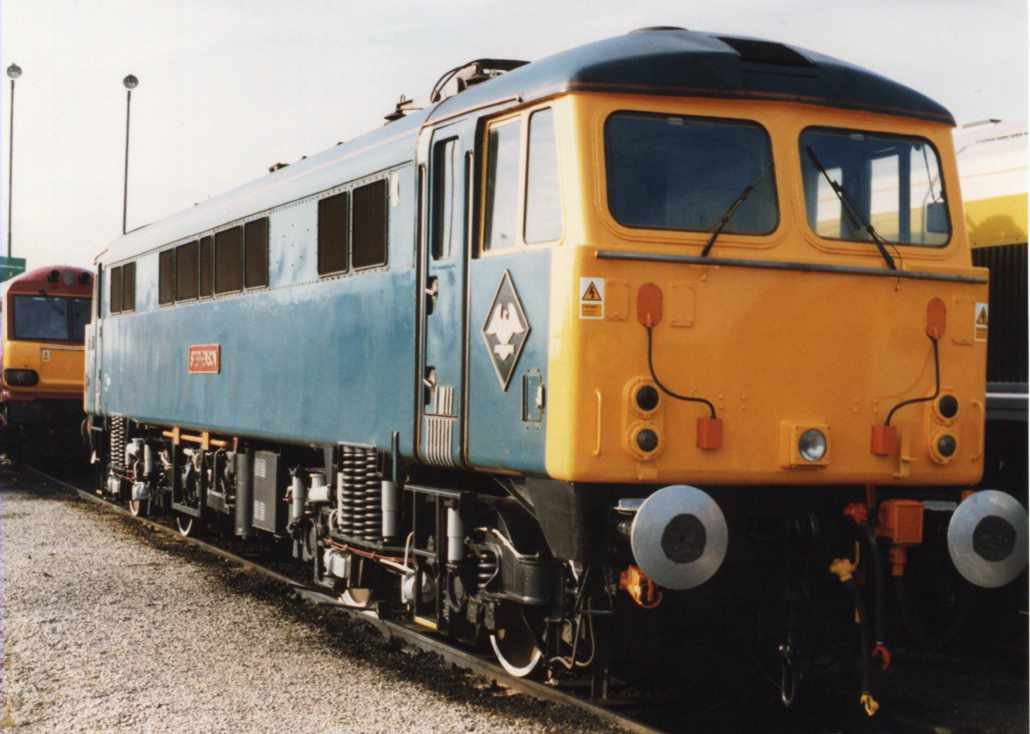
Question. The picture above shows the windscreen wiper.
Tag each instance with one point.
(852, 211)
(51, 301)
(730, 211)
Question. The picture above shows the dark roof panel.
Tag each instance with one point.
(678, 62)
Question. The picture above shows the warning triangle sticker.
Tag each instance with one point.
(981, 318)
(591, 293)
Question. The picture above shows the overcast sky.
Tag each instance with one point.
(230, 87)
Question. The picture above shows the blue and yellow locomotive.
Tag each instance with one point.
(563, 347)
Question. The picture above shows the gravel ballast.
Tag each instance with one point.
(109, 626)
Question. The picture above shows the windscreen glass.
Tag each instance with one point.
(893, 183)
(676, 172)
(50, 318)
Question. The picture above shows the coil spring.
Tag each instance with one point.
(373, 498)
(359, 498)
(486, 568)
(117, 456)
(345, 497)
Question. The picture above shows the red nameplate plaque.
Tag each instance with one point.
(204, 359)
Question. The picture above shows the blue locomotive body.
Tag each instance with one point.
(317, 358)
(304, 359)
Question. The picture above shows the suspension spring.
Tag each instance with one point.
(346, 496)
(373, 497)
(118, 445)
(486, 568)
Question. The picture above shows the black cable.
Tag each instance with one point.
(879, 592)
(663, 388)
(444, 78)
(862, 620)
(936, 389)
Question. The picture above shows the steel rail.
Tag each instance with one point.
(478, 664)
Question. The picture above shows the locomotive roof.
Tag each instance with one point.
(677, 62)
(659, 61)
(39, 279)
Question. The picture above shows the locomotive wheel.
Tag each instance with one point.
(515, 641)
(186, 524)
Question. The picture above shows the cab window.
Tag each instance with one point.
(543, 198)
(500, 221)
(50, 318)
(677, 172)
(892, 182)
(446, 205)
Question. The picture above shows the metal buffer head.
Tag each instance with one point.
(679, 537)
(987, 538)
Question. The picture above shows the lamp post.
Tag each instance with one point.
(130, 82)
(13, 72)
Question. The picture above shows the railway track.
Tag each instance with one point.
(478, 664)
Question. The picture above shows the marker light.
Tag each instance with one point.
(812, 445)
(647, 440)
(946, 445)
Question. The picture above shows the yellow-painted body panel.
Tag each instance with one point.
(999, 220)
(60, 367)
(775, 350)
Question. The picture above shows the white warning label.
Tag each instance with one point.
(591, 298)
(980, 322)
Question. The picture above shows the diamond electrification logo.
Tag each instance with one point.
(506, 330)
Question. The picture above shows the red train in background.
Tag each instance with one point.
(44, 314)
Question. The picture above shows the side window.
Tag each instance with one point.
(255, 256)
(502, 188)
(229, 260)
(446, 207)
(333, 233)
(129, 287)
(115, 294)
(370, 233)
(166, 277)
(207, 263)
(186, 271)
(543, 195)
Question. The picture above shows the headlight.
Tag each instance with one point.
(21, 378)
(812, 445)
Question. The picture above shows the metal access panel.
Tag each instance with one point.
(269, 487)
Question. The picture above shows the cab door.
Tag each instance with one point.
(444, 162)
(509, 292)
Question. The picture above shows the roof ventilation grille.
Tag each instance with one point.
(765, 52)
(658, 29)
